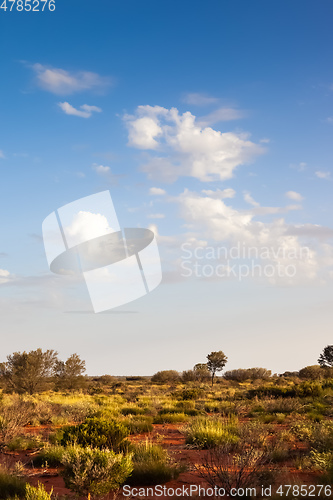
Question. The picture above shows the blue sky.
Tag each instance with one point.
(211, 123)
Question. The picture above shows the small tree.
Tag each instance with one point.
(216, 362)
(70, 372)
(326, 358)
(201, 371)
(28, 371)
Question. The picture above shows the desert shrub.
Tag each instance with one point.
(137, 425)
(92, 471)
(313, 372)
(188, 394)
(319, 435)
(271, 391)
(37, 493)
(13, 415)
(20, 443)
(51, 456)
(77, 412)
(131, 410)
(241, 375)
(212, 407)
(170, 418)
(205, 432)
(11, 485)
(188, 376)
(97, 433)
(223, 468)
(151, 465)
(166, 376)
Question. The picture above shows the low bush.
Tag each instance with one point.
(97, 433)
(170, 418)
(166, 376)
(11, 486)
(151, 465)
(93, 471)
(137, 425)
(51, 456)
(37, 493)
(205, 432)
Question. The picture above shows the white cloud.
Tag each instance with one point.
(248, 198)
(87, 226)
(157, 191)
(4, 276)
(323, 175)
(2, 155)
(293, 195)
(198, 99)
(265, 140)
(86, 112)
(220, 115)
(329, 119)
(156, 216)
(193, 150)
(101, 169)
(62, 82)
(211, 219)
(220, 194)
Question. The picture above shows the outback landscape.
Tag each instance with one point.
(243, 432)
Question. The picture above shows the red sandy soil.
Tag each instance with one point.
(167, 435)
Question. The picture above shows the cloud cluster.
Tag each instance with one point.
(185, 147)
(62, 82)
(85, 110)
(210, 220)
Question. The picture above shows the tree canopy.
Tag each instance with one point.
(326, 357)
(216, 362)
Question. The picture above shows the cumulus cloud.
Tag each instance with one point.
(85, 111)
(87, 226)
(293, 195)
(192, 150)
(198, 99)
(62, 82)
(101, 169)
(211, 219)
(4, 276)
(323, 175)
(157, 191)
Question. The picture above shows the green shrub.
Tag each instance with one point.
(93, 471)
(97, 433)
(205, 432)
(170, 418)
(51, 456)
(151, 465)
(137, 425)
(131, 410)
(20, 443)
(166, 376)
(37, 493)
(11, 485)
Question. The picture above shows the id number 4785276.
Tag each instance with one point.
(27, 5)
